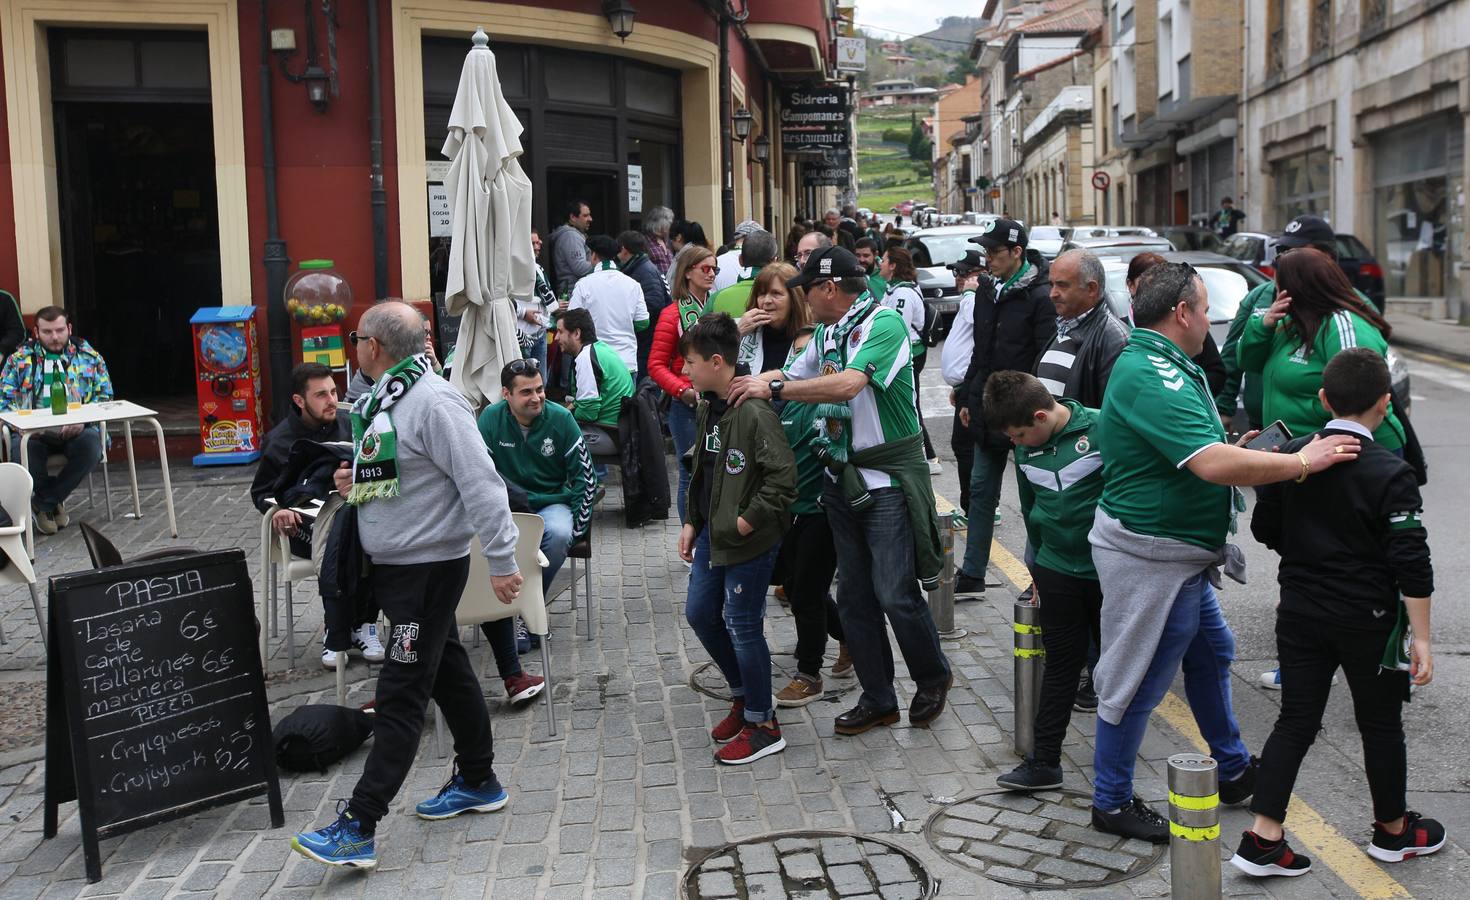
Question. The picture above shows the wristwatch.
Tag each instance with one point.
(776, 387)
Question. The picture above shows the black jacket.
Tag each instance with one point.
(1350, 539)
(641, 450)
(1209, 360)
(1010, 333)
(12, 326)
(277, 448)
(1095, 343)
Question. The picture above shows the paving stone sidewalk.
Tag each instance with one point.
(620, 803)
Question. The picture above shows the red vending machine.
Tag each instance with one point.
(227, 365)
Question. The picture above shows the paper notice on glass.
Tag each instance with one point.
(439, 225)
(635, 189)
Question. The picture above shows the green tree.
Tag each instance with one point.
(920, 147)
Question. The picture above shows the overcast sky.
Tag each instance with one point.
(910, 16)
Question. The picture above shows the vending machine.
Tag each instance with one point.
(227, 367)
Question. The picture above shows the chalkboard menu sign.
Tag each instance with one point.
(155, 698)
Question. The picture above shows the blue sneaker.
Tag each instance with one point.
(457, 797)
(341, 843)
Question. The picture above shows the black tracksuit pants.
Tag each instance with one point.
(1070, 617)
(809, 561)
(1310, 651)
(425, 659)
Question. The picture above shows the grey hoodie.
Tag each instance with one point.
(569, 257)
(1140, 577)
(448, 487)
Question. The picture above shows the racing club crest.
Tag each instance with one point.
(855, 338)
(1083, 444)
(548, 447)
(371, 444)
(734, 462)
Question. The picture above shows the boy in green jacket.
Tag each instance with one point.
(740, 495)
(1059, 479)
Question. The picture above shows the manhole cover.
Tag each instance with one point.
(810, 865)
(1042, 840)
(707, 680)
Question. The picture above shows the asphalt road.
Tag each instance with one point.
(1437, 722)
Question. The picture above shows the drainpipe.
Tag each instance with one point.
(727, 149)
(278, 327)
(375, 150)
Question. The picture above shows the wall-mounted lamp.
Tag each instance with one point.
(761, 149)
(317, 80)
(620, 15)
(742, 121)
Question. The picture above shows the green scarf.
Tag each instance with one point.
(632, 261)
(689, 310)
(607, 264)
(834, 420)
(374, 444)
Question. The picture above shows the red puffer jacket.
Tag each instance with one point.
(664, 362)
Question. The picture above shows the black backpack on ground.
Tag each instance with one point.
(317, 735)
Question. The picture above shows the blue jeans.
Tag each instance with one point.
(727, 610)
(985, 478)
(82, 452)
(875, 562)
(681, 427)
(538, 353)
(554, 543)
(1196, 635)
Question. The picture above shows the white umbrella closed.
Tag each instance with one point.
(490, 258)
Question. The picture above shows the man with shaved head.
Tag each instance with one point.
(421, 486)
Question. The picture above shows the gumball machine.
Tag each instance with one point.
(227, 367)
(318, 299)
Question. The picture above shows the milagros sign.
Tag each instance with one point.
(814, 118)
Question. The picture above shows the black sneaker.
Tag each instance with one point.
(1260, 857)
(1420, 837)
(1086, 700)
(1134, 820)
(1027, 595)
(969, 586)
(1032, 775)
(1240, 789)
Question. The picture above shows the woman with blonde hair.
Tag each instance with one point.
(690, 282)
(773, 317)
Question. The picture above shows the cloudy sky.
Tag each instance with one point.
(910, 16)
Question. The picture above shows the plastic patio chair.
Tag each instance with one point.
(275, 555)
(15, 496)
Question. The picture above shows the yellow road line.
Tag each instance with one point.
(1437, 359)
(1345, 858)
(1316, 836)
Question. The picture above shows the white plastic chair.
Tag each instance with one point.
(15, 496)
(479, 604)
(275, 554)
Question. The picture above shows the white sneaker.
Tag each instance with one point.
(934, 467)
(1271, 680)
(365, 641)
(329, 658)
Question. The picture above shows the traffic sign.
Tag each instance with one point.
(1101, 180)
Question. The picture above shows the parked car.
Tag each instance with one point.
(903, 209)
(1107, 231)
(1258, 249)
(1191, 237)
(1123, 247)
(935, 248)
(1048, 239)
(1227, 280)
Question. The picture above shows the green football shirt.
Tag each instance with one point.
(1157, 415)
(599, 400)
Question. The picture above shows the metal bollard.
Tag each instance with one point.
(941, 599)
(1194, 827)
(1030, 656)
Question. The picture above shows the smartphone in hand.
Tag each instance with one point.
(1271, 438)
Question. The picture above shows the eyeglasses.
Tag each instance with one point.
(354, 338)
(708, 270)
(522, 367)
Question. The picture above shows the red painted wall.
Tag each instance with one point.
(9, 268)
(323, 188)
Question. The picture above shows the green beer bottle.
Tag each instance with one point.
(58, 391)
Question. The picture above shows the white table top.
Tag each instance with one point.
(86, 414)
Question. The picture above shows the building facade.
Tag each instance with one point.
(1359, 111)
(134, 177)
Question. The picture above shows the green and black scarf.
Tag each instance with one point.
(374, 443)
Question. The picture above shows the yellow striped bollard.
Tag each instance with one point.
(1194, 827)
(1030, 656)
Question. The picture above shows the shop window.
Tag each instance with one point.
(650, 91)
(578, 78)
(1417, 171)
(1302, 184)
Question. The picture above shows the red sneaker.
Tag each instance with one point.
(754, 742)
(523, 687)
(727, 728)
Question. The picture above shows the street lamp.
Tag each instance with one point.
(761, 149)
(620, 15)
(742, 120)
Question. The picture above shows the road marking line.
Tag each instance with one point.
(1345, 858)
(1436, 358)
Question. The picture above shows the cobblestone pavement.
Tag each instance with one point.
(623, 801)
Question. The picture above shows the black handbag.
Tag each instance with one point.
(317, 735)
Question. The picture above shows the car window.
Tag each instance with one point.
(1118, 300)
(1226, 289)
(1242, 247)
(1046, 233)
(1350, 247)
(940, 249)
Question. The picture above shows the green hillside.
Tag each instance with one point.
(886, 173)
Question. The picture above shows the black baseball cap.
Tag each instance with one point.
(972, 260)
(1001, 233)
(828, 263)
(1304, 231)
